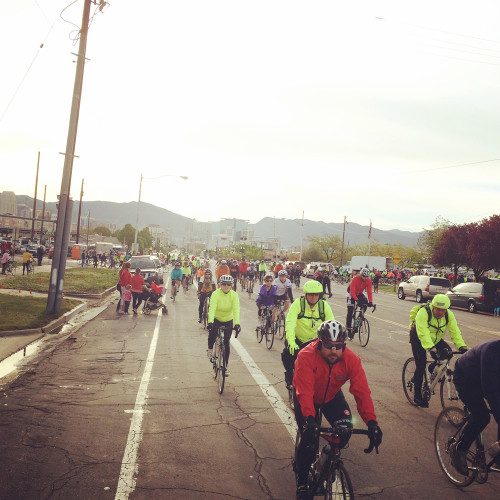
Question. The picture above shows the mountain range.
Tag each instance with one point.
(290, 231)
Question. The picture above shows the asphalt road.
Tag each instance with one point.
(127, 407)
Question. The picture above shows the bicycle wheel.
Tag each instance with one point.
(291, 401)
(281, 326)
(447, 431)
(206, 305)
(408, 384)
(338, 483)
(448, 397)
(215, 357)
(269, 333)
(364, 332)
(221, 369)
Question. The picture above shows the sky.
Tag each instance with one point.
(374, 110)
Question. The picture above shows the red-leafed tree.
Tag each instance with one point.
(451, 251)
(483, 248)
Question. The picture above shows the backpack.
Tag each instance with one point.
(321, 309)
(427, 305)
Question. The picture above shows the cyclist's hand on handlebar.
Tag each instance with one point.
(310, 426)
(463, 349)
(237, 330)
(292, 347)
(210, 327)
(434, 354)
(370, 304)
(375, 436)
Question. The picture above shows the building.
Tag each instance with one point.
(8, 203)
(160, 236)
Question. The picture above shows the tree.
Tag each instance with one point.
(430, 238)
(329, 246)
(452, 249)
(127, 234)
(311, 254)
(144, 239)
(483, 246)
(101, 230)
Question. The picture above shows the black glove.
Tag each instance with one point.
(210, 327)
(370, 304)
(374, 434)
(462, 349)
(310, 427)
(237, 330)
(434, 354)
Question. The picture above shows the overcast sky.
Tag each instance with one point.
(272, 108)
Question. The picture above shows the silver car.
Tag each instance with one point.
(423, 287)
(150, 266)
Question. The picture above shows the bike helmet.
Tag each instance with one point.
(313, 286)
(365, 272)
(320, 269)
(226, 279)
(177, 264)
(207, 271)
(441, 301)
(223, 262)
(332, 331)
(268, 275)
(283, 272)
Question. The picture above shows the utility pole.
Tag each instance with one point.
(88, 228)
(342, 253)
(65, 208)
(43, 214)
(79, 215)
(301, 235)
(34, 201)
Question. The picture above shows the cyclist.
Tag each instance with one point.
(426, 334)
(355, 293)
(186, 272)
(300, 325)
(277, 268)
(243, 265)
(234, 271)
(251, 272)
(267, 296)
(283, 290)
(477, 377)
(224, 310)
(221, 270)
(205, 289)
(322, 367)
(321, 275)
(176, 278)
(262, 270)
(295, 275)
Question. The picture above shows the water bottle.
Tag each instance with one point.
(324, 455)
(494, 449)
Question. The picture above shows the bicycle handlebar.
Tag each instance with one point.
(345, 430)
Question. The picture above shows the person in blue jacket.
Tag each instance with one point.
(176, 278)
(267, 296)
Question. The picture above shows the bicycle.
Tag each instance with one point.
(328, 476)
(176, 289)
(442, 374)
(267, 327)
(30, 268)
(296, 281)
(204, 314)
(11, 267)
(448, 429)
(185, 284)
(250, 287)
(361, 324)
(219, 359)
(279, 323)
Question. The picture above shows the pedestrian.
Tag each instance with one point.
(27, 258)
(125, 278)
(5, 259)
(95, 260)
(137, 282)
(39, 254)
(83, 258)
(127, 297)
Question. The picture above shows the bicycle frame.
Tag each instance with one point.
(444, 371)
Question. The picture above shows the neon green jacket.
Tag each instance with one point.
(186, 271)
(304, 328)
(431, 333)
(224, 307)
(262, 266)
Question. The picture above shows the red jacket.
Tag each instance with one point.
(311, 378)
(357, 286)
(125, 277)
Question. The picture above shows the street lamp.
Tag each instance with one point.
(134, 249)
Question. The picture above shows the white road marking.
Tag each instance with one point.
(129, 469)
(284, 413)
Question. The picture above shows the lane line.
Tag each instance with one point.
(130, 467)
(284, 413)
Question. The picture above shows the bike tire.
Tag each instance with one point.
(452, 397)
(364, 332)
(447, 431)
(291, 401)
(407, 378)
(258, 332)
(269, 334)
(338, 483)
(221, 369)
(205, 313)
(281, 326)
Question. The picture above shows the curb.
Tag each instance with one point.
(59, 321)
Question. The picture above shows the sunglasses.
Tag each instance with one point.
(267, 281)
(226, 284)
(331, 346)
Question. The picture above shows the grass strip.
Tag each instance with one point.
(24, 312)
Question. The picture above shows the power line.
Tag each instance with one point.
(454, 166)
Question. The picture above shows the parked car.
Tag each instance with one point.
(423, 287)
(150, 266)
(474, 296)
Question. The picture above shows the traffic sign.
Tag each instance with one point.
(396, 259)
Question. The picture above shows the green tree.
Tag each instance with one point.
(102, 230)
(312, 254)
(144, 239)
(330, 247)
(430, 238)
(126, 234)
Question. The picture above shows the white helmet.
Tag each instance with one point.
(365, 272)
(283, 272)
(226, 279)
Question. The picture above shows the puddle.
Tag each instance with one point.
(9, 364)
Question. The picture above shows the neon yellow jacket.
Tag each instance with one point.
(431, 333)
(224, 307)
(304, 328)
(186, 271)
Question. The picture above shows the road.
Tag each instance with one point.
(127, 407)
